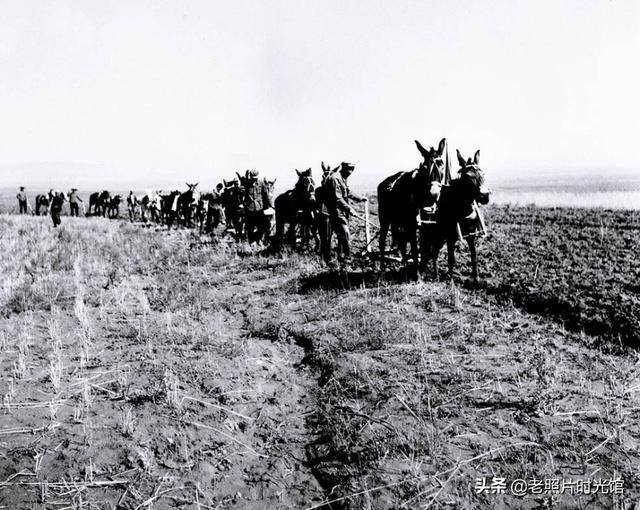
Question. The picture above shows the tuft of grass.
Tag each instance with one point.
(170, 386)
(127, 422)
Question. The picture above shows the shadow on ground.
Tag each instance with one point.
(345, 280)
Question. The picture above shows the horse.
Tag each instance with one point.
(456, 207)
(402, 196)
(297, 207)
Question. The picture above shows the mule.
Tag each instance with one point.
(99, 203)
(401, 197)
(456, 207)
(114, 206)
(297, 208)
(43, 201)
(169, 207)
(187, 204)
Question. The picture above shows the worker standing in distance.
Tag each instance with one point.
(23, 204)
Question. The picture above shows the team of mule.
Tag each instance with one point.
(423, 209)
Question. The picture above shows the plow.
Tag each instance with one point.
(426, 220)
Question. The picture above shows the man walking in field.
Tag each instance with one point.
(56, 207)
(256, 200)
(74, 202)
(23, 204)
(336, 195)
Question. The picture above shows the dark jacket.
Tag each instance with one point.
(56, 204)
(256, 196)
(336, 195)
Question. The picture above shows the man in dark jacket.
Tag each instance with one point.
(336, 195)
(56, 207)
(256, 200)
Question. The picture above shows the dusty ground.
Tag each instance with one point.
(146, 369)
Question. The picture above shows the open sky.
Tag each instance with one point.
(138, 93)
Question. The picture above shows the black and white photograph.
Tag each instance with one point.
(319, 254)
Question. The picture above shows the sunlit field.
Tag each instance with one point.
(150, 369)
(574, 199)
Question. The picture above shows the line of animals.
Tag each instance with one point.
(246, 206)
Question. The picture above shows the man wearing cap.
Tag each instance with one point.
(256, 200)
(23, 204)
(337, 195)
(74, 202)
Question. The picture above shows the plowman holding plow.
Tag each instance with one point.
(336, 196)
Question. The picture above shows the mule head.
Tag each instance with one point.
(305, 188)
(473, 177)
(432, 169)
(327, 171)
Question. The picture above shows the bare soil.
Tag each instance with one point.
(152, 369)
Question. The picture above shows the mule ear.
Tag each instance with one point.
(239, 176)
(423, 151)
(441, 146)
(461, 160)
(476, 157)
(299, 173)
